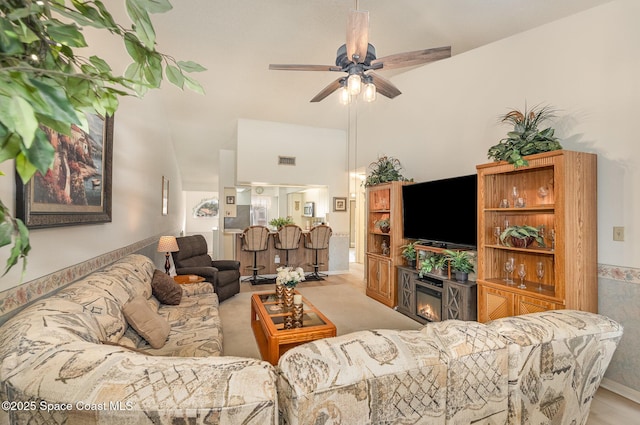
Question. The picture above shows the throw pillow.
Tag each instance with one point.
(149, 324)
(165, 289)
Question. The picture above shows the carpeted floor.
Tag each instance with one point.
(340, 297)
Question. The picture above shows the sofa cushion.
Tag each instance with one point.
(165, 289)
(149, 324)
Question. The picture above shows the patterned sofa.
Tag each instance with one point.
(72, 358)
(541, 368)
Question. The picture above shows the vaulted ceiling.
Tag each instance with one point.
(236, 40)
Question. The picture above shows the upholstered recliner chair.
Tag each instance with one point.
(192, 258)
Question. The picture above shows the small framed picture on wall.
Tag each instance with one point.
(339, 204)
(165, 195)
(231, 200)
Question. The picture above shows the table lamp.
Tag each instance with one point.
(167, 244)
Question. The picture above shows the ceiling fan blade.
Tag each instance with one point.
(417, 57)
(293, 67)
(357, 35)
(384, 86)
(328, 90)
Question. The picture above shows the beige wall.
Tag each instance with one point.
(142, 154)
(320, 160)
(587, 66)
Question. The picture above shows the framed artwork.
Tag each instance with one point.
(165, 195)
(339, 204)
(77, 188)
(207, 208)
(231, 200)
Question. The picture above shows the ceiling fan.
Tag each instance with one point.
(358, 59)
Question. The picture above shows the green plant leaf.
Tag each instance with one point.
(9, 146)
(100, 64)
(107, 18)
(142, 23)
(153, 6)
(66, 34)
(174, 75)
(24, 168)
(193, 84)
(24, 119)
(153, 70)
(20, 248)
(190, 66)
(135, 48)
(79, 18)
(41, 153)
(56, 98)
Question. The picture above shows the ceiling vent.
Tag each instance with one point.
(286, 160)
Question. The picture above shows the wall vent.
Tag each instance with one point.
(286, 160)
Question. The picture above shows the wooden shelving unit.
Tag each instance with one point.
(384, 201)
(560, 192)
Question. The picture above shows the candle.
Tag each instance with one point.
(297, 299)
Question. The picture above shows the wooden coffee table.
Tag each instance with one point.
(268, 324)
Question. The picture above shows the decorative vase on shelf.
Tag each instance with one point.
(288, 278)
(522, 242)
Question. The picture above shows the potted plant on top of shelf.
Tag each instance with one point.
(434, 263)
(522, 236)
(525, 139)
(384, 225)
(461, 264)
(385, 169)
(409, 254)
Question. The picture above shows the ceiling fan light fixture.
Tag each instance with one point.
(344, 96)
(354, 83)
(369, 91)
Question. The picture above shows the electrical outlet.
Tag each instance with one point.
(618, 233)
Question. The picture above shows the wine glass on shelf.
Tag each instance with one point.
(496, 233)
(515, 194)
(522, 272)
(539, 274)
(509, 268)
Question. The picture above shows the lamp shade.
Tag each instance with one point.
(168, 244)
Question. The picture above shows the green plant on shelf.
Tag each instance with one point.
(409, 251)
(522, 236)
(432, 264)
(459, 260)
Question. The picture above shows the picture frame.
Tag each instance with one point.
(339, 204)
(231, 200)
(165, 195)
(77, 189)
(206, 208)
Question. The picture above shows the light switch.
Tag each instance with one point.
(618, 233)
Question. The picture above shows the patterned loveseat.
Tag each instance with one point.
(72, 358)
(541, 368)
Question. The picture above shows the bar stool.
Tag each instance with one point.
(255, 239)
(288, 238)
(317, 239)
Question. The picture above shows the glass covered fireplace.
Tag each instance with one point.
(429, 303)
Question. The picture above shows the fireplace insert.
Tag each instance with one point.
(429, 303)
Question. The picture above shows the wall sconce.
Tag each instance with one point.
(167, 244)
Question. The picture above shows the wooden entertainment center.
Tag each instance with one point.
(558, 190)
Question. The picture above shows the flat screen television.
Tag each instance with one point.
(442, 212)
